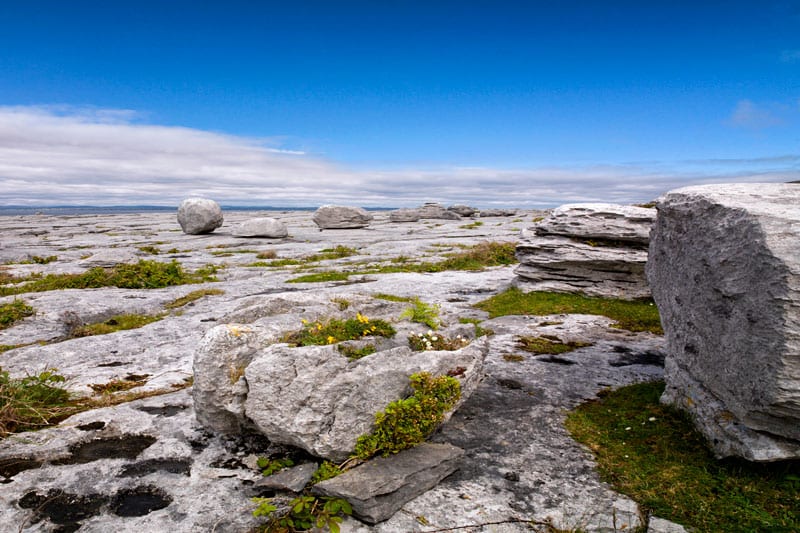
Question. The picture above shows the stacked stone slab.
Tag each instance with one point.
(725, 272)
(594, 249)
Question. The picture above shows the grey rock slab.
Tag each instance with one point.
(404, 215)
(486, 213)
(613, 222)
(661, 525)
(293, 479)
(341, 217)
(463, 210)
(725, 272)
(432, 210)
(266, 227)
(381, 486)
(110, 258)
(197, 216)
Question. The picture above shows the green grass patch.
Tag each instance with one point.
(408, 422)
(353, 353)
(116, 323)
(321, 277)
(392, 297)
(335, 330)
(633, 315)
(480, 331)
(32, 402)
(142, 275)
(193, 296)
(422, 313)
(543, 345)
(337, 252)
(652, 453)
(149, 249)
(476, 224)
(14, 312)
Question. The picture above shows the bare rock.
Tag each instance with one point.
(436, 211)
(266, 227)
(498, 213)
(404, 215)
(612, 222)
(380, 487)
(462, 210)
(725, 271)
(109, 257)
(199, 215)
(293, 479)
(316, 399)
(341, 217)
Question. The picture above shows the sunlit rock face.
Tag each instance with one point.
(199, 215)
(724, 269)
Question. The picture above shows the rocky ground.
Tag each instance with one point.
(147, 465)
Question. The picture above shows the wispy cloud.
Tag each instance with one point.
(63, 155)
(748, 114)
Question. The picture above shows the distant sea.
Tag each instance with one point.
(58, 210)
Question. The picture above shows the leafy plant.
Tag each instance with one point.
(433, 341)
(327, 470)
(271, 466)
(652, 453)
(303, 513)
(633, 315)
(353, 353)
(423, 313)
(335, 330)
(13, 312)
(31, 402)
(406, 423)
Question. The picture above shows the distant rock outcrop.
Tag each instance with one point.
(266, 227)
(199, 215)
(404, 215)
(497, 213)
(595, 249)
(725, 271)
(341, 217)
(462, 210)
(436, 211)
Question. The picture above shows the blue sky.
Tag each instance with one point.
(392, 103)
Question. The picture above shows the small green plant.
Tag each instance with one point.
(342, 302)
(320, 277)
(392, 297)
(476, 224)
(193, 296)
(544, 345)
(116, 323)
(271, 466)
(423, 313)
(633, 315)
(433, 341)
(327, 470)
(32, 402)
(338, 252)
(353, 353)
(652, 453)
(408, 422)
(335, 330)
(267, 254)
(149, 249)
(480, 331)
(14, 312)
(303, 513)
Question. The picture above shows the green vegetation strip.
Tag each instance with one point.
(116, 323)
(142, 275)
(31, 402)
(335, 330)
(636, 315)
(653, 454)
(13, 312)
(542, 345)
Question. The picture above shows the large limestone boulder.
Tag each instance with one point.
(199, 215)
(436, 211)
(265, 227)
(462, 210)
(341, 217)
(594, 249)
(404, 215)
(724, 269)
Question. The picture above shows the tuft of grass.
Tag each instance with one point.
(32, 402)
(335, 330)
(343, 303)
(193, 296)
(480, 331)
(142, 275)
(353, 353)
(543, 345)
(118, 385)
(392, 297)
(406, 423)
(267, 254)
(476, 224)
(337, 252)
(652, 453)
(149, 249)
(14, 312)
(633, 315)
(423, 313)
(116, 323)
(321, 277)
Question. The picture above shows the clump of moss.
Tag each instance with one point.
(14, 312)
(335, 330)
(633, 315)
(408, 422)
(116, 323)
(142, 275)
(652, 453)
(193, 296)
(544, 345)
(353, 353)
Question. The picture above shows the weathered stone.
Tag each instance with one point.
(380, 487)
(404, 215)
(552, 263)
(341, 217)
(315, 399)
(725, 271)
(267, 227)
(293, 479)
(109, 258)
(462, 210)
(611, 222)
(199, 215)
(436, 211)
(660, 525)
(497, 212)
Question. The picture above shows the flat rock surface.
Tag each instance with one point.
(520, 463)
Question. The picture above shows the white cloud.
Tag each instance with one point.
(88, 156)
(748, 114)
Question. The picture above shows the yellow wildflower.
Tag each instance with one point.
(331, 339)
